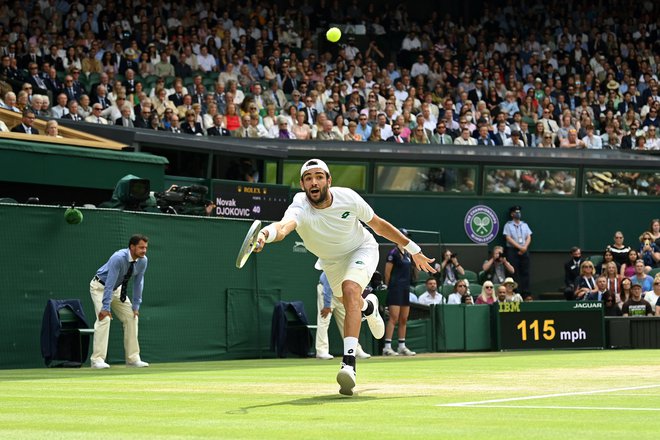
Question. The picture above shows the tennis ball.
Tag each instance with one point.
(333, 34)
(73, 216)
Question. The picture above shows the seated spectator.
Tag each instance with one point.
(26, 123)
(640, 276)
(353, 135)
(585, 282)
(125, 119)
(652, 140)
(608, 256)
(375, 134)
(174, 126)
(300, 129)
(218, 129)
(190, 125)
(610, 305)
(467, 300)
(545, 141)
(52, 129)
(465, 138)
(515, 140)
(654, 230)
(649, 251)
(270, 119)
(627, 269)
(610, 139)
(340, 127)
(327, 133)
(418, 135)
(636, 305)
(511, 288)
(281, 130)
(232, 117)
(626, 293)
(598, 293)
(653, 296)
(591, 140)
(619, 249)
(611, 273)
(505, 293)
(254, 129)
(501, 294)
(497, 268)
(431, 296)
(9, 102)
(460, 290)
(363, 128)
(440, 135)
(487, 295)
(572, 140)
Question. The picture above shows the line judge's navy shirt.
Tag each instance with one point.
(113, 272)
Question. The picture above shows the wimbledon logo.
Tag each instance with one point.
(481, 224)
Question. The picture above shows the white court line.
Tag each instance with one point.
(547, 396)
(598, 408)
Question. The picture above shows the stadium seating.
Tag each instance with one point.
(471, 276)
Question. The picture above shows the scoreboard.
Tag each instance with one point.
(550, 324)
(256, 201)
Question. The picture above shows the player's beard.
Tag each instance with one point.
(322, 196)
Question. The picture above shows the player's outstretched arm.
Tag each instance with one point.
(274, 232)
(385, 229)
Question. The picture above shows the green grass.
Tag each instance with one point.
(297, 399)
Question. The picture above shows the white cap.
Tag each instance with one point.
(314, 163)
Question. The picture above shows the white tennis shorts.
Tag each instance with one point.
(358, 267)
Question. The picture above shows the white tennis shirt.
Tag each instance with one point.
(334, 232)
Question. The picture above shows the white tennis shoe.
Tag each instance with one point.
(405, 351)
(346, 379)
(137, 364)
(361, 354)
(376, 324)
(99, 365)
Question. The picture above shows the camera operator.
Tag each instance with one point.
(449, 269)
(497, 267)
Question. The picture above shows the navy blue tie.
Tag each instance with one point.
(124, 283)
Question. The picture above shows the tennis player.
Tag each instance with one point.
(328, 221)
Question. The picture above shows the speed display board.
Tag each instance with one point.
(550, 324)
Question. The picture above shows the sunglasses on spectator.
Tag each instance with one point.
(488, 287)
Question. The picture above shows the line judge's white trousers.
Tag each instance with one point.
(121, 310)
(322, 345)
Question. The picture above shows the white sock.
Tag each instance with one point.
(401, 345)
(350, 346)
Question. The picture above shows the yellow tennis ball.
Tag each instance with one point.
(333, 34)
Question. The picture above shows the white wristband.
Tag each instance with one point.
(272, 233)
(412, 248)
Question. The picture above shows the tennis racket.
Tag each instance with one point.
(249, 244)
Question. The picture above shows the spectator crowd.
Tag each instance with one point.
(524, 74)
